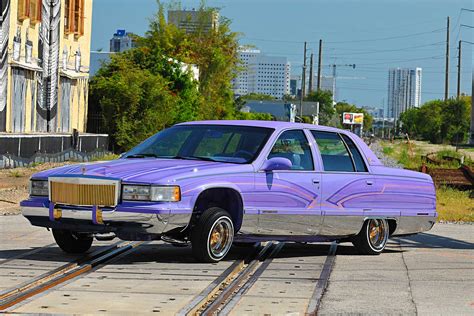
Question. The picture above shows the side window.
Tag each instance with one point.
(294, 146)
(333, 152)
(358, 160)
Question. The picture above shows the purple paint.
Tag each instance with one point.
(382, 191)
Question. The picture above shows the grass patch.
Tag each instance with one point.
(106, 157)
(454, 205)
(15, 174)
(387, 150)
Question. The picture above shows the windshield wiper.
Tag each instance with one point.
(141, 156)
(194, 158)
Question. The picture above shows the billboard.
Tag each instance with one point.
(352, 118)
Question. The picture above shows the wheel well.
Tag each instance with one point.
(225, 198)
(392, 225)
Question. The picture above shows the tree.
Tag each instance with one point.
(439, 121)
(146, 89)
(410, 120)
(326, 108)
(136, 102)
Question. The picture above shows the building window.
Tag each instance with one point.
(74, 17)
(29, 9)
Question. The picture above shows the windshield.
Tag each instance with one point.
(233, 144)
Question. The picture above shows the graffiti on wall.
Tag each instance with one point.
(47, 91)
(4, 31)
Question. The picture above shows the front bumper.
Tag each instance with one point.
(131, 224)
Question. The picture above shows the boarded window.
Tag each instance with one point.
(23, 9)
(35, 11)
(74, 17)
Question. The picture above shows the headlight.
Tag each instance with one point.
(166, 193)
(151, 193)
(136, 192)
(39, 187)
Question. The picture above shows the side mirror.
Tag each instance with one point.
(277, 163)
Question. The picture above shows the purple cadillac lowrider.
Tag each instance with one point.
(213, 183)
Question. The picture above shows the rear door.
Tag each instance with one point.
(347, 186)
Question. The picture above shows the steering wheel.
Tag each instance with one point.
(243, 154)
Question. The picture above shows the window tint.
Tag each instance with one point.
(294, 146)
(333, 152)
(358, 160)
(223, 143)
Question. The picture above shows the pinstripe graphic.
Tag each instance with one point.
(4, 34)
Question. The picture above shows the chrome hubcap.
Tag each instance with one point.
(220, 238)
(377, 233)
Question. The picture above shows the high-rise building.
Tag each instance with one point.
(262, 74)
(192, 20)
(121, 41)
(404, 90)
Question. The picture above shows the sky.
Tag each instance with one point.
(373, 34)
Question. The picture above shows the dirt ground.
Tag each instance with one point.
(14, 186)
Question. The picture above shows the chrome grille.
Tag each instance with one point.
(83, 194)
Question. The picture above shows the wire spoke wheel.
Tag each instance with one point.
(373, 237)
(220, 237)
(377, 231)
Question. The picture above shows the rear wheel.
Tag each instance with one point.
(373, 237)
(212, 237)
(72, 242)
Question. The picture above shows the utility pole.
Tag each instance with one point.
(458, 94)
(311, 73)
(303, 83)
(446, 79)
(320, 60)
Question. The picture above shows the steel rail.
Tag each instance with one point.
(323, 280)
(13, 296)
(230, 304)
(233, 287)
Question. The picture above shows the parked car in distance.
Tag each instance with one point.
(212, 183)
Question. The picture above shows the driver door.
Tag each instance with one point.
(288, 200)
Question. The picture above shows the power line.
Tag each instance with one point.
(349, 41)
(408, 49)
(388, 38)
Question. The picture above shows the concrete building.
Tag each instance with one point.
(262, 74)
(192, 20)
(404, 90)
(295, 86)
(44, 58)
(121, 41)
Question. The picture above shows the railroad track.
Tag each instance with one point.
(13, 296)
(222, 295)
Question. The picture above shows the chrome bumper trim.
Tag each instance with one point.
(156, 223)
(414, 224)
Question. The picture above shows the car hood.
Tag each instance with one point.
(144, 170)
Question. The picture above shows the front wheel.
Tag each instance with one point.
(373, 237)
(212, 237)
(72, 242)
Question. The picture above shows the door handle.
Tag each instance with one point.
(316, 181)
(369, 182)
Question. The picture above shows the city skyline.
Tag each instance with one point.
(369, 34)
